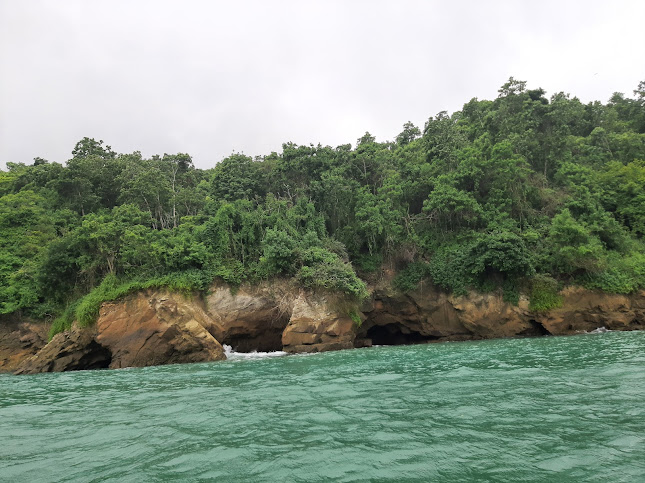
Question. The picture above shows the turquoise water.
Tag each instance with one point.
(549, 409)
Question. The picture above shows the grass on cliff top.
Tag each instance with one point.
(545, 294)
(86, 309)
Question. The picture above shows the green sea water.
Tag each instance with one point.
(550, 409)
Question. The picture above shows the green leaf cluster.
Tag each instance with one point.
(521, 191)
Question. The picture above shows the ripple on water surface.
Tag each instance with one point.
(548, 409)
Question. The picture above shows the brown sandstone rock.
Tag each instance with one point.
(148, 328)
(586, 310)
(19, 340)
(316, 326)
(251, 318)
(73, 350)
(489, 316)
(425, 313)
(429, 314)
(157, 327)
(152, 328)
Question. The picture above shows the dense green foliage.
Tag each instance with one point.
(522, 191)
(544, 293)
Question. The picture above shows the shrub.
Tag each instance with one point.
(355, 316)
(500, 252)
(511, 292)
(369, 263)
(64, 321)
(280, 251)
(447, 268)
(620, 275)
(410, 277)
(544, 294)
(325, 270)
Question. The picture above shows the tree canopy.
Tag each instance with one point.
(516, 193)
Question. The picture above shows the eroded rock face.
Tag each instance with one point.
(152, 328)
(251, 318)
(429, 315)
(395, 318)
(316, 326)
(144, 329)
(19, 340)
(158, 327)
(72, 350)
(489, 316)
(585, 310)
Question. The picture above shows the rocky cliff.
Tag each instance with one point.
(145, 329)
(584, 310)
(19, 340)
(250, 318)
(158, 327)
(428, 315)
(316, 325)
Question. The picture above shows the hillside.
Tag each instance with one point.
(522, 194)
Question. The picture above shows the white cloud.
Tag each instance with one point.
(209, 78)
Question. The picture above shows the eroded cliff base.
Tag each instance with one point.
(20, 339)
(159, 327)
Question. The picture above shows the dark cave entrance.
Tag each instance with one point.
(535, 330)
(259, 336)
(269, 341)
(396, 334)
(95, 356)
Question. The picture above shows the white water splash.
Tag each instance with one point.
(599, 330)
(232, 355)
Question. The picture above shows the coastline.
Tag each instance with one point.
(156, 327)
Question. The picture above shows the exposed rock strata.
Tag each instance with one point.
(19, 340)
(72, 350)
(153, 328)
(430, 315)
(249, 319)
(316, 326)
(585, 310)
(157, 327)
(145, 329)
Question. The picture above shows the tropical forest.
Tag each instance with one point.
(523, 194)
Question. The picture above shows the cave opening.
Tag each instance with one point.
(536, 329)
(396, 334)
(269, 341)
(96, 356)
(258, 336)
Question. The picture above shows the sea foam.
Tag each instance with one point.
(234, 355)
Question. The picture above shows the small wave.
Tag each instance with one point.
(234, 355)
(599, 330)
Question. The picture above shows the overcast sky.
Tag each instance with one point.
(214, 77)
